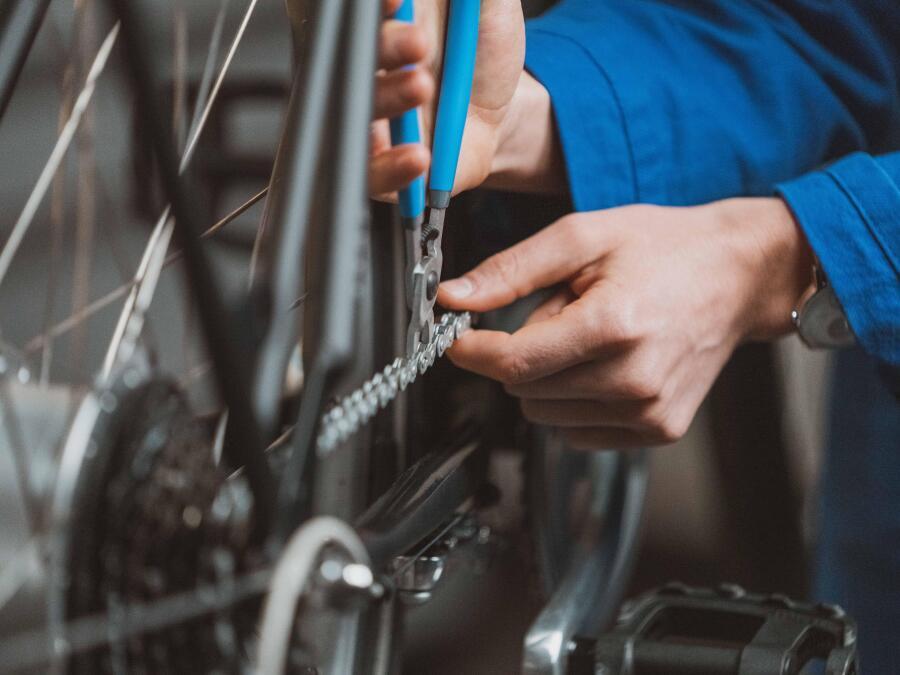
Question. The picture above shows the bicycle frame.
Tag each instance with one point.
(21, 20)
(318, 186)
(330, 110)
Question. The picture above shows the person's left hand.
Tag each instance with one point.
(652, 303)
(410, 57)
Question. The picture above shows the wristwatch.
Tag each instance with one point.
(819, 317)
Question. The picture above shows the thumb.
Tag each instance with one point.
(554, 254)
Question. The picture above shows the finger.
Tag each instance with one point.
(390, 7)
(379, 137)
(607, 438)
(397, 91)
(549, 257)
(535, 351)
(401, 44)
(551, 306)
(395, 168)
(616, 377)
(581, 413)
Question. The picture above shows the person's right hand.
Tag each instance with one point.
(498, 69)
(650, 303)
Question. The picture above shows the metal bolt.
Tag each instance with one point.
(359, 576)
(431, 285)
(331, 570)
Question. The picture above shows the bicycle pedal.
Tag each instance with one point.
(678, 630)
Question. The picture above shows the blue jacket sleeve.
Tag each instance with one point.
(850, 213)
(686, 101)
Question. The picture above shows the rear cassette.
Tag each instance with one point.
(152, 514)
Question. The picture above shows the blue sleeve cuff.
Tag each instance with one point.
(589, 120)
(849, 214)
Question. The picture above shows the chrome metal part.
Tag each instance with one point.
(822, 323)
(357, 408)
(332, 548)
(598, 566)
(425, 260)
(417, 576)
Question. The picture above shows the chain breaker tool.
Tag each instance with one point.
(425, 340)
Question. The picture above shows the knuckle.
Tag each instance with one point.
(643, 383)
(578, 232)
(665, 435)
(675, 429)
(417, 85)
(650, 418)
(589, 321)
(572, 228)
(664, 428)
(659, 426)
(619, 324)
(514, 369)
(642, 213)
(505, 267)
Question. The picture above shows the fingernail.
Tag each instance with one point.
(459, 288)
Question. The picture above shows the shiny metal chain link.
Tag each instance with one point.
(354, 410)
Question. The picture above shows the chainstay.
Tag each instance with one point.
(355, 409)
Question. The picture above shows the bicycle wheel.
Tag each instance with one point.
(133, 529)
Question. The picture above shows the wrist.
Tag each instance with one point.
(777, 260)
(527, 156)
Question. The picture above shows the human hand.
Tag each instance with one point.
(652, 302)
(410, 58)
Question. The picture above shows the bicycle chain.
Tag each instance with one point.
(354, 410)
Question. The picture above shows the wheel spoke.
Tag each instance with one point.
(57, 213)
(218, 443)
(56, 156)
(197, 129)
(85, 209)
(179, 71)
(209, 69)
(32, 649)
(39, 341)
(132, 317)
(239, 211)
(119, 622)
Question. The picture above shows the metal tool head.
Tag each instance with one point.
(425, 276)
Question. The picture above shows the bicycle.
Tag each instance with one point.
(163, 538)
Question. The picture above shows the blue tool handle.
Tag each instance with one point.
(405, 129)
(453, 106)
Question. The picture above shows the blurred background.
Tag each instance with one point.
(732, 501)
